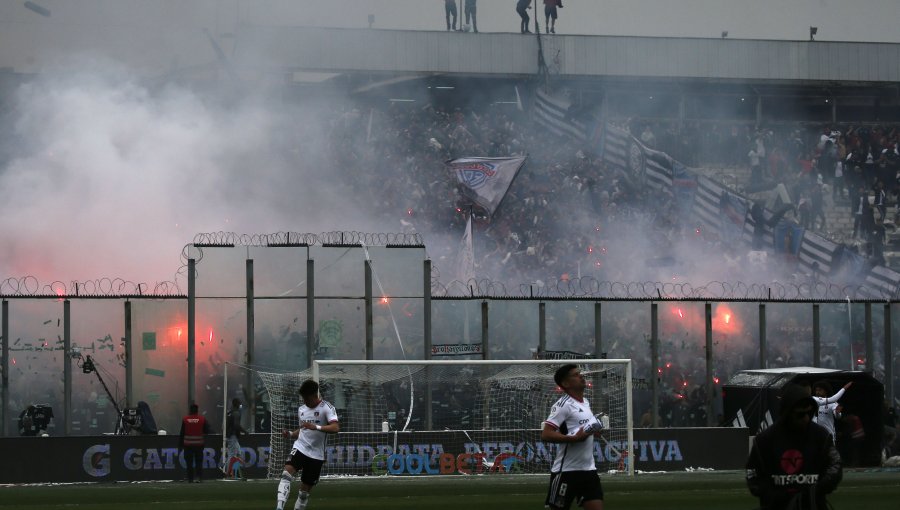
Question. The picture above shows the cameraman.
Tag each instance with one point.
(34, 419)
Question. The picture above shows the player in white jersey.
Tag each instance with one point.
(829, 410)
(317, 417)
(573, 476)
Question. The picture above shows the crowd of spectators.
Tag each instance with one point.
(567, 214)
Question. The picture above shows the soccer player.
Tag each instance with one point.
(793, 464)
(828, 410)
(317, 417)
(573, 476)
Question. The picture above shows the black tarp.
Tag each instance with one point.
(750, 400)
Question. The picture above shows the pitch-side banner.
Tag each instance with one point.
(486, 180)
(140, 458)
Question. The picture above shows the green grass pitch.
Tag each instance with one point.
(868, 490)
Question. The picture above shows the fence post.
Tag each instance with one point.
(542, 327)
(250, 394)
(129, 362)
(67, 365)
(763, 362)
(817, 338)
(370, 334)
(310, 311)
(4, 383)
(485, 343)
(654, 362)
(710, 419)
(870, 349)
(191, 325)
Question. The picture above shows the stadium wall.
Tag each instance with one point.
(142, 458)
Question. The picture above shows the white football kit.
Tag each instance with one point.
(827, 411)
(569, 415)
(312, 442)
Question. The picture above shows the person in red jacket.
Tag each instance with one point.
(194, 428)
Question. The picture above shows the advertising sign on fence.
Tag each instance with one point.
(139, 458)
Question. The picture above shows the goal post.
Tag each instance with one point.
(458, 416)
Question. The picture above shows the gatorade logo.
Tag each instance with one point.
(791, 461)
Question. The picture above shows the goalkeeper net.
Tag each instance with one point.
(448, 417)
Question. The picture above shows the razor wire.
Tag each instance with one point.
(342, 238)
(588, 287)
(100, 287)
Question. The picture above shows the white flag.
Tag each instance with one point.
(486, 179)
(465, 259)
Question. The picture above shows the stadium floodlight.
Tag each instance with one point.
(475, 416)
(812, 33)
(724, 34)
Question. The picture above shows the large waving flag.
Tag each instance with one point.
(627, 154)
(556, 114)
(486, 180)
(465, 259)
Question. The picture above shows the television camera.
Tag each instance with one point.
(35, 419)
(136, 419)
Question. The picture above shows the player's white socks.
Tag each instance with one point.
(302, 500)
(284, 489)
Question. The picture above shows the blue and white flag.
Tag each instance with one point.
(556, 114)
(486, 180)
(627, 154)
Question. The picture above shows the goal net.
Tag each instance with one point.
(449, 417)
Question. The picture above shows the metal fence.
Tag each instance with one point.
(284, 304)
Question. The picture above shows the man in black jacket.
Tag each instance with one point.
(793, 464)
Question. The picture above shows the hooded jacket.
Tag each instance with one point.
(790, 469)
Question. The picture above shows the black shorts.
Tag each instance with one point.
(550, 11)
(310, 468)
(569, 486)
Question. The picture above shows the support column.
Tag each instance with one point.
(310, 311)
(710, 419)
(598, 332)
(654, 363)
(426, 308)
(426, 313)
(763, 362)
(67, 365)
(888, 355)
(870, 349)
(129, 360)
(485, 341)
(250, 394)
(4, 360)
(817, 338)
(192, 334)
(370, 334)
(542, 328)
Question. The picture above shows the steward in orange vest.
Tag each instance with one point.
(194, 428)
